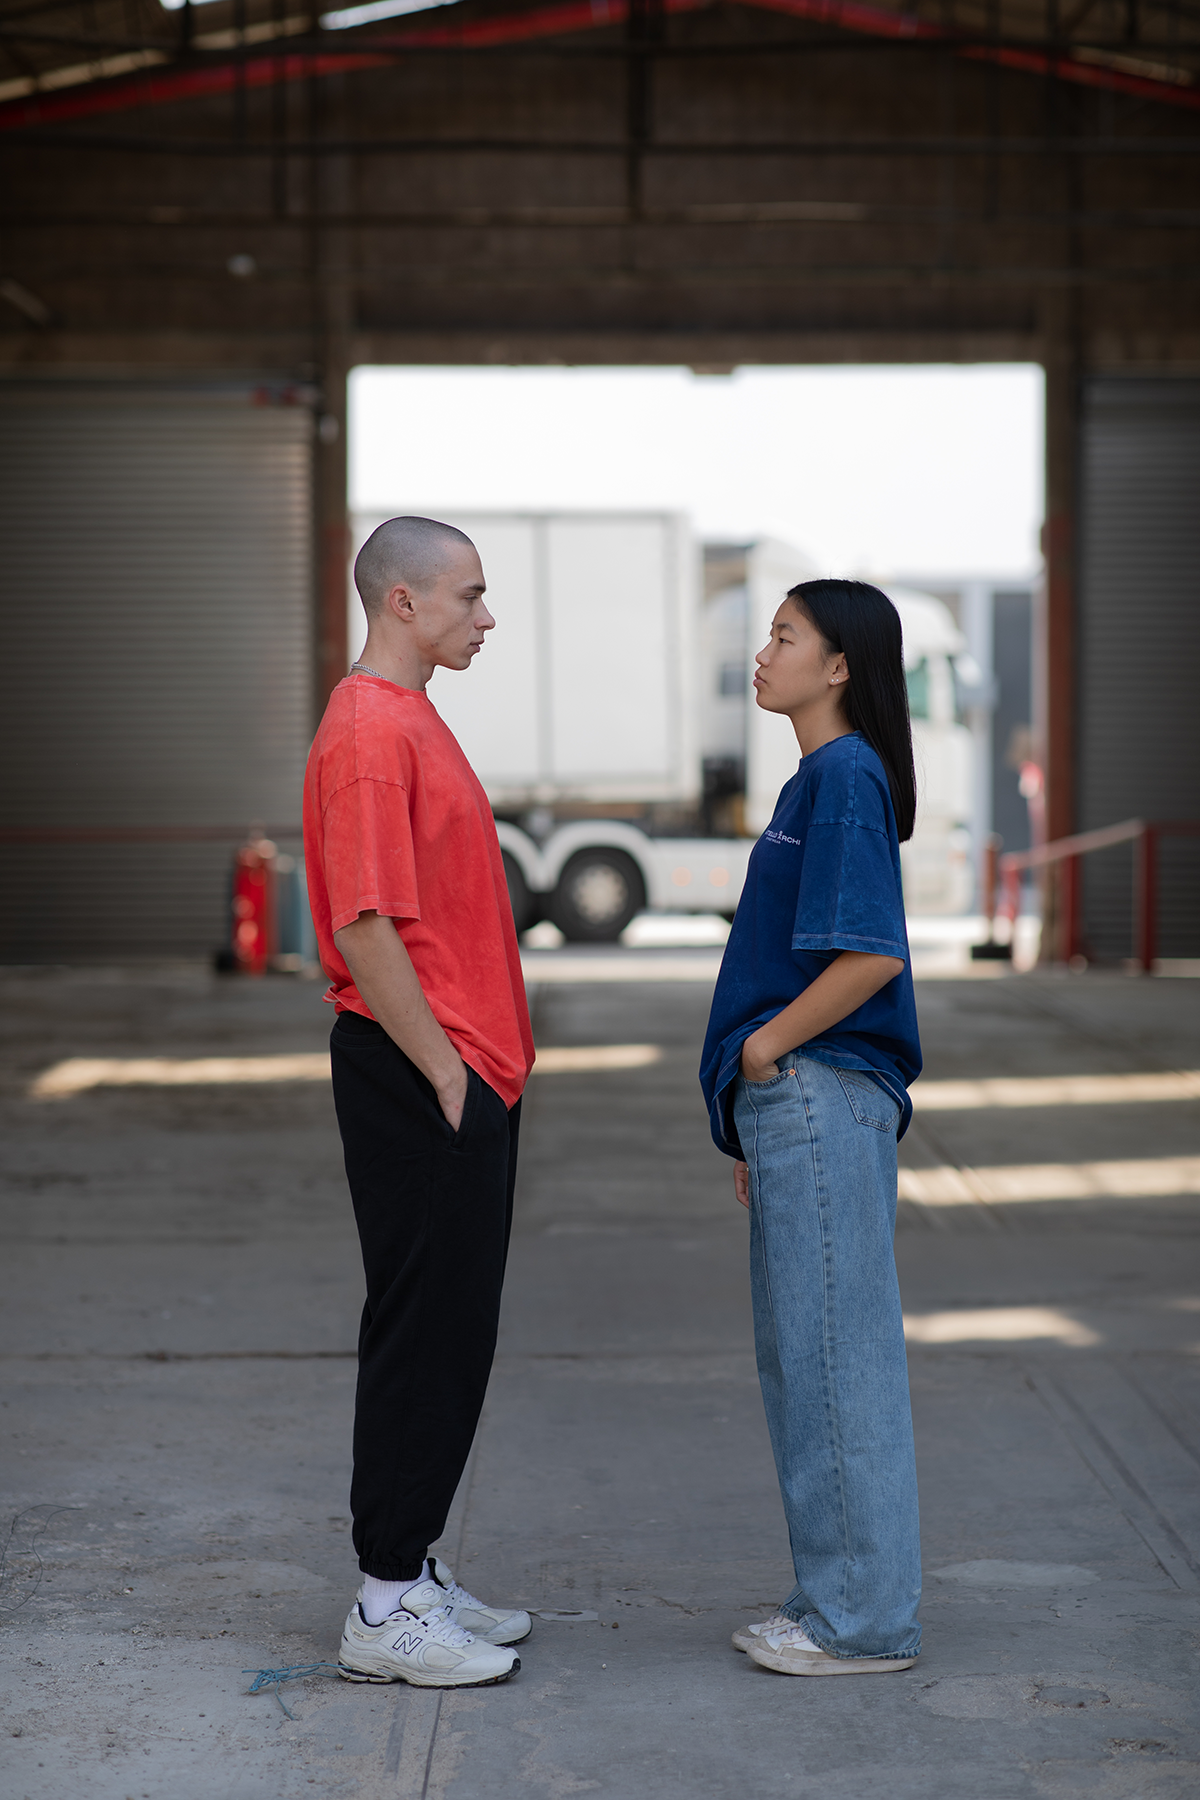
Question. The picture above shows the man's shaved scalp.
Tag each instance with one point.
(409, 551)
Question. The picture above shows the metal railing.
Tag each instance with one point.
(1066, 854)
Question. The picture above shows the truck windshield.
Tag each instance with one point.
(917, 681)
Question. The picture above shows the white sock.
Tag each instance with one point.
(380, 1599)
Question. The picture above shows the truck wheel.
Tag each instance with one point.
(598, 893)
(525, 909)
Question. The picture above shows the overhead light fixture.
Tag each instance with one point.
(345, 17)
(242, 266)
(376, 9)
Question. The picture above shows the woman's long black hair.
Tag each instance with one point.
(856, 619)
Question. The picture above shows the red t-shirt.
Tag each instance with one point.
(395, 822)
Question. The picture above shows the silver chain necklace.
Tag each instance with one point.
(365, 669)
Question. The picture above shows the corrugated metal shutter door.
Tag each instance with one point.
(156, 642)
(1139, 646)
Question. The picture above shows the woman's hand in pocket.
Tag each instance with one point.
(741, 1183)
(754, 1067)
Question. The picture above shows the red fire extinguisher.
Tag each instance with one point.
(252, 935)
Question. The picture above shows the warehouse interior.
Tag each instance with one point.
(213, 212)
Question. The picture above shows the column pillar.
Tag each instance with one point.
(332, 303)
(1056, 669)
(1059, 628)
(332, 521)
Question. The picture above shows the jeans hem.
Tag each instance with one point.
(846, 1655)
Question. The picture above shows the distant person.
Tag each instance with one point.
(431, 1048)
(812, 1043)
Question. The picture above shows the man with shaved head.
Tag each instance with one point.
(417, 549)
(431, 1048)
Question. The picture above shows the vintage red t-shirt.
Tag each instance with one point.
(395, 822)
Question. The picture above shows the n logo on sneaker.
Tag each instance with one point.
(407, 1644)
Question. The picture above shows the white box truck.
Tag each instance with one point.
(609, 715)
(581, 716)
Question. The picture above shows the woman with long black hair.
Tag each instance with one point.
(812, 1043)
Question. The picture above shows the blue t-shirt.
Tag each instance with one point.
(824, 877)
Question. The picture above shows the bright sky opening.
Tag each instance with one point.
(917, 470)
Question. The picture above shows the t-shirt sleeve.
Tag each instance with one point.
(368, 853)
(850, 896)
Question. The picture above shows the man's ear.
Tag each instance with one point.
(400, 602)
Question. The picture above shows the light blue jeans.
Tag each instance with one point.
(821, 1146)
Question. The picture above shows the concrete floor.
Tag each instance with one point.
(181, 1292)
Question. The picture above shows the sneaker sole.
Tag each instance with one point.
(374, 1679)
(505, 1643)
(830, 1665)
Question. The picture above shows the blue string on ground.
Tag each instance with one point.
(272, 1678)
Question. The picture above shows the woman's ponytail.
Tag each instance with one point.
(859, 621)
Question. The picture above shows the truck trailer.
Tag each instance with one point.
(610, 720)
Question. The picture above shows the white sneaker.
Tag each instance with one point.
(747, 1635)
(787, 1651)
(492, 1624)
(430, 1651)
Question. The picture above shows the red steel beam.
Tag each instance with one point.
(155, 88)
(1067, 68)
(851, 15)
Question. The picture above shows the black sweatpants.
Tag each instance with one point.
(434, 1212)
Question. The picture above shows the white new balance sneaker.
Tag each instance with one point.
(787, 1651)
(430, 1651)
(491, 1624)
(746, 1635)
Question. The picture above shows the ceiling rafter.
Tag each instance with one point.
(615, 49)
(800, 149)
(105, 94)
(773, 216)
